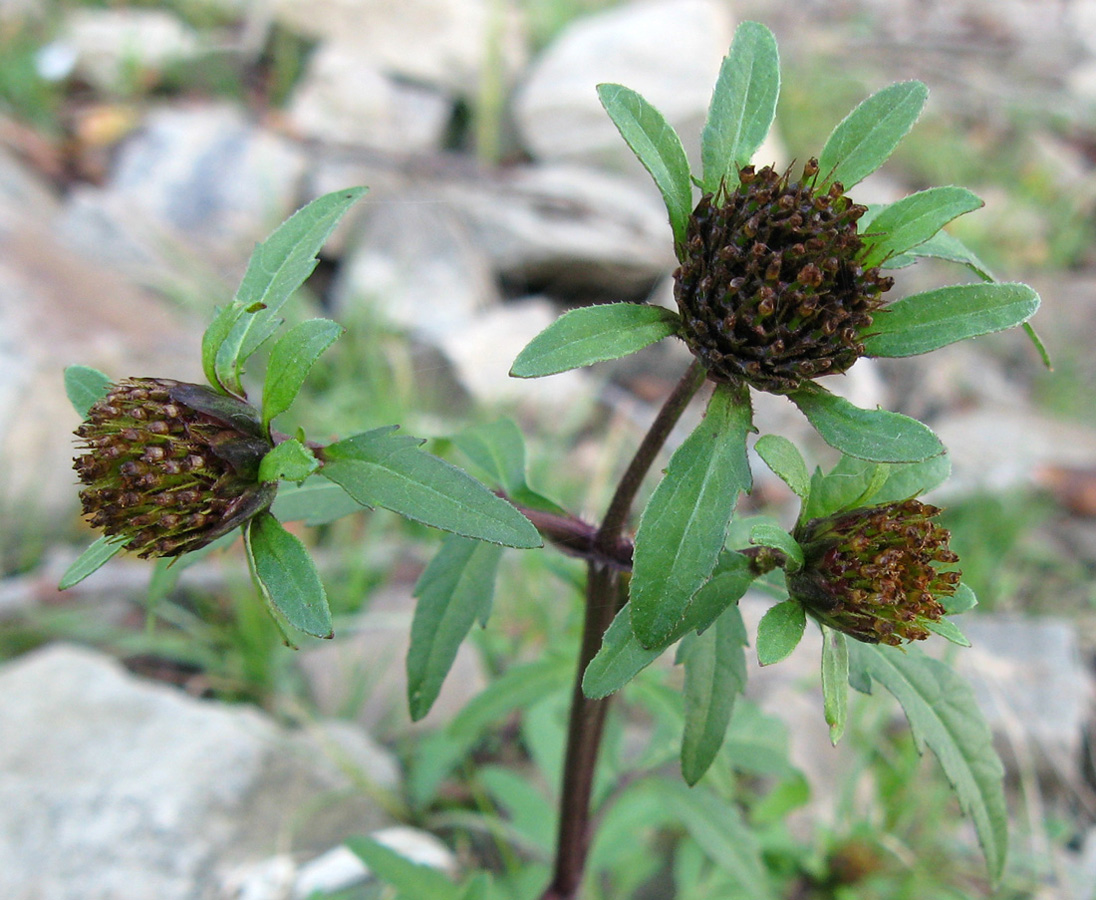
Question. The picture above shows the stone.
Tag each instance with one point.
(120, 50)
(23, 195)
(344, 98)
(118, 788)
(568, 230)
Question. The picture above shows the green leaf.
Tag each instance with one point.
(684, 526)
(864, 139)
(657, 146)
(454, 590)
(835, 681)
(289, 461)
(593, 334)
(927, 321)
(949, 630)
(290, 362)
(786, 462)
(287, 576)
(85, 387)
(875, 435)
(382, 470)
(944, 715)
(742, 107)
(277, 268)
(913, 220)
(95, 557)
(855, 482)
(524, 804)
(410, 879)
(963, 600)
(316, 502)
(498, 448)
(780, 631)
(715, 674)
(767, 535)
(942, 246)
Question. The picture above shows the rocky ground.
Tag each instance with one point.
(131, 215)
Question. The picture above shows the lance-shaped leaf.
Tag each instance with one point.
(925, 322)
(85, 387)
(715, 674)
(316, 502)
(786, 462)
(102, 551)
(657, 146)
(864, 139)
(290, 362)
(409, 878)
(835, 681)
(453, 591)
(498, 448)
(780, 631)
(276, 269)
(944, 716)
(913, 220)
(963, 600)
(743, 105)
(872, 434)
(287, 576)
(383, 469)
(684, 526)
(593, 334)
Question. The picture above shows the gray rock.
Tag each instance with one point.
(669, 51)
(23, 195)
(345, 99)
(115, 788)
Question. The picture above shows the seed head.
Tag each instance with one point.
(875, 573)
(770, 290)
(170, 466)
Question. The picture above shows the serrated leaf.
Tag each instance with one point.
(876, 435)
(453, 591)
(410, 879)
(786, 462)
(963, 600)
(593, 334)
(276, 269)
(780, 631)
(927, 321)
(767, 535)
(316, 502)
(743, 105)
(382, 470)
(913, 220)
(93, 558)
(715, 674)
(684, 526)
(835, 681)
(944, 715)
(289, 461)
(287, 576)
(290, 362)
(85, 387)
(864, 139)
(658, 148)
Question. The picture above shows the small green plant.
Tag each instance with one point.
(780, 281)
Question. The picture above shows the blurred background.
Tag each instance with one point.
(146, 147)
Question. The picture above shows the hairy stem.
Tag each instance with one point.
(605, 595)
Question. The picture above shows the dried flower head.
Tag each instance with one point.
(171, 466)
(770, 290)
(876, 573)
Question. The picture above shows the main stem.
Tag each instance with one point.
(605, 596)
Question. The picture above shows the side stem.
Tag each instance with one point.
(605, 596)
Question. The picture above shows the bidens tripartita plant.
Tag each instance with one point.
(781, 280)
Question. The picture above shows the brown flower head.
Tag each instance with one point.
(875, 573)
(171, 466)
(770, 290)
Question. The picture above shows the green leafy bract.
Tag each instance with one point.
(715, 674)
(289, 461)
(780, 631)
(85, 387)
(290, 362)
(913, 220)
(768, 535)
(855, 482)
(835, 681)
(742, 107)
(963, 600)
(876, 434)
(277, 268)
(657, 146)
(453, 591)
(316, 502)
(928, 321)
(379, 468)
(684, 526)
(286, 576)
(593, 334)
(786, 462)
(864, 139)
(93, 558)
(944, 716)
